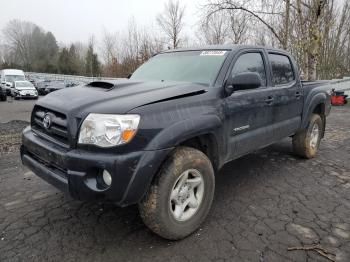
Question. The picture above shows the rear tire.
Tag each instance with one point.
(307, 141)
(180, 197)
(3, 98)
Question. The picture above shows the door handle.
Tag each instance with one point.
(269, 100)
(298, 94)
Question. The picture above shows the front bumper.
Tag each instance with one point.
(28, 95)
(75, 171)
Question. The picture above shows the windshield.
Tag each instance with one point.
(187, 66)
(12, 78)
(24, 84)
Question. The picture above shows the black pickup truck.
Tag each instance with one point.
(159, 137)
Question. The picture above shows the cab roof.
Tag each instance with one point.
(229, 47)
(12, 72)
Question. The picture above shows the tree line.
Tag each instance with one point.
(316, 32)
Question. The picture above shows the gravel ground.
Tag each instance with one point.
(16, 109)
(10, 136)
(265, 203)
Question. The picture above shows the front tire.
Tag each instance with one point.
(180, 197)
(307, 142)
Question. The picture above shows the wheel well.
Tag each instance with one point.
(320, 109)
(206, 144)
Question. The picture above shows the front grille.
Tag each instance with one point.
(58, 130)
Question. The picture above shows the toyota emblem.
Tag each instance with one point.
(47, 121)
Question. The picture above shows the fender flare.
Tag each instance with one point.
(310, 106)
(184, 130)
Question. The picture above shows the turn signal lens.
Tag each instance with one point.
(127, 135)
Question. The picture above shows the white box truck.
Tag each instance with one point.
(8, 77)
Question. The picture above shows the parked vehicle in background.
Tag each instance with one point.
(41, 86)
(158, 138)
(58, 85)
(49, 86)
(32, 80)
(23, 89)
(3, 95)
(8, 76)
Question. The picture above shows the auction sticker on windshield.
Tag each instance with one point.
(213, 52)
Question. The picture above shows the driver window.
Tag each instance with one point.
(250, 62)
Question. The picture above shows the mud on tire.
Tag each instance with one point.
(156, 208)
(304, 142)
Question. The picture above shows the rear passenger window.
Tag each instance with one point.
(250, 62)
(282, 71)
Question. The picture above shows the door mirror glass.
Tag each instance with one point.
(243, 81)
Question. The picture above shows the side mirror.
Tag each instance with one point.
(243, 81)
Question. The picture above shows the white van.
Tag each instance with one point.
(9, 76)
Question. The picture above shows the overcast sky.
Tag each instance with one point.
(76, 20)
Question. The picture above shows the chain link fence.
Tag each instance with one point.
(67, 78)
(342, 85)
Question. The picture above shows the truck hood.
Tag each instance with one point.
(119, 98)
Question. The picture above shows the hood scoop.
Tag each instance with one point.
(101, 84)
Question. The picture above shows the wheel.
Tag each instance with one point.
(306, 142)
(3, 98)
(180, 197)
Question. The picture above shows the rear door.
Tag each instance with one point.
(287, 95)
(249, 112)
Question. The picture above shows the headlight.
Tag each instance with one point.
(106, 130)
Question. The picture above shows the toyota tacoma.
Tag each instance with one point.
(158, 138)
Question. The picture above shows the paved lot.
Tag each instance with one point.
(265, 202)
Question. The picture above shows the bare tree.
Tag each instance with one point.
(171, 21)
(335, 45)
(2, 54)
(238, 28)
(29, 46)
(17, 36)
(213, 30)
(275, 16)
(109, 46)
(110, 53)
